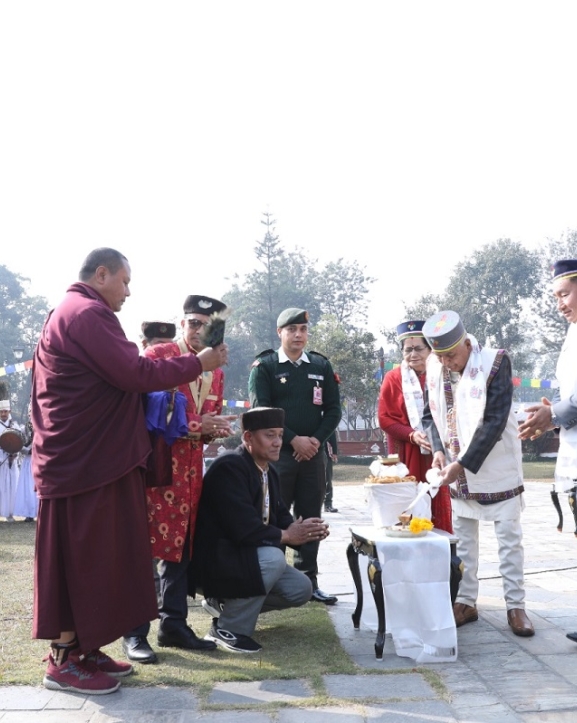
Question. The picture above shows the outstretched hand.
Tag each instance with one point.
(538, 420)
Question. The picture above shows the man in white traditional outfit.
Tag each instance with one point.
(26, 501)
(9, 467)
(562, 413)
(474, 437)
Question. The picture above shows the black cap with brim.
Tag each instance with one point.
(202, 305)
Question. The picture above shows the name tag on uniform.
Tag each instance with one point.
(317, 394)
(320, 377)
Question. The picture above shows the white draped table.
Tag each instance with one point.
(410, 579)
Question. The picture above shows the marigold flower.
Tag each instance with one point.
(418, 524)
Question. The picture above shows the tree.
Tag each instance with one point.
(353, 356)
(21, 320)
(280, 281)
(342, 288)
(547, 328)
(424, 307)
(489, 289)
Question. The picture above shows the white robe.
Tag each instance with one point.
(8, 476)
(26, 503)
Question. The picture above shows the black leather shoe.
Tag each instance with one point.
(183, 638)
(330, 508)
(572, 636)
(320, 596)
(138, 649)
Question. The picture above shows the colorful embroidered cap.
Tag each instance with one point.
(564, 269)
(158, 330)
(409, 328)
(292, 316)
(262, 418)
(202, 305)
(444, 330)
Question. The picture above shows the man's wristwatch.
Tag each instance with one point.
(555, 421)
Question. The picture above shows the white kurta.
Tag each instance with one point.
(566, 466)
(8, 483)
(26, 502)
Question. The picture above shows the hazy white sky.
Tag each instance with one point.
(403, 135)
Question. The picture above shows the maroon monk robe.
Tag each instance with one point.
(92, 566)
(394, 421)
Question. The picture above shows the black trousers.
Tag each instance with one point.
(303, 488)
(329, 483)
(176, 583)
(175, 586)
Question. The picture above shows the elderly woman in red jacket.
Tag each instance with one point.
(400, 412)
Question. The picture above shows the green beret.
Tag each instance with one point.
(292, 316)
(262, 418)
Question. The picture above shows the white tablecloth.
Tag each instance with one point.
(418, 609)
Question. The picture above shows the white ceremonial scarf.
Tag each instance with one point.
(566, 467)
(470, 395)
(413, 396)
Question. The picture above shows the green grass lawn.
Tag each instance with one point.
(285, 636)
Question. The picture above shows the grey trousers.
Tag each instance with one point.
(511, 558)
(286, 588)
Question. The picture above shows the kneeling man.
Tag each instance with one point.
(241, 530)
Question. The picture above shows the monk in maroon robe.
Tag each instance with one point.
(92, 572)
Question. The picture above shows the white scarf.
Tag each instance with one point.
(566, 467)
(413, 396)
(469, 399)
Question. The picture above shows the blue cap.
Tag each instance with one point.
(564, 269)
(410, 328)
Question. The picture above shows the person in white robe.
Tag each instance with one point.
(26, 502)
(561, 414)
(9, 465)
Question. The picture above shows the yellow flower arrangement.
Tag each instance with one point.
(418, 524)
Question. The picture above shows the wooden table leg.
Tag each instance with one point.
(573, 506)
(353, 559)
(557, 506)
(376, 581)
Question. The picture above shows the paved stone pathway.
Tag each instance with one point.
(498, 677)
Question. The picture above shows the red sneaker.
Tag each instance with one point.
(78, 676)
(105, 664)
